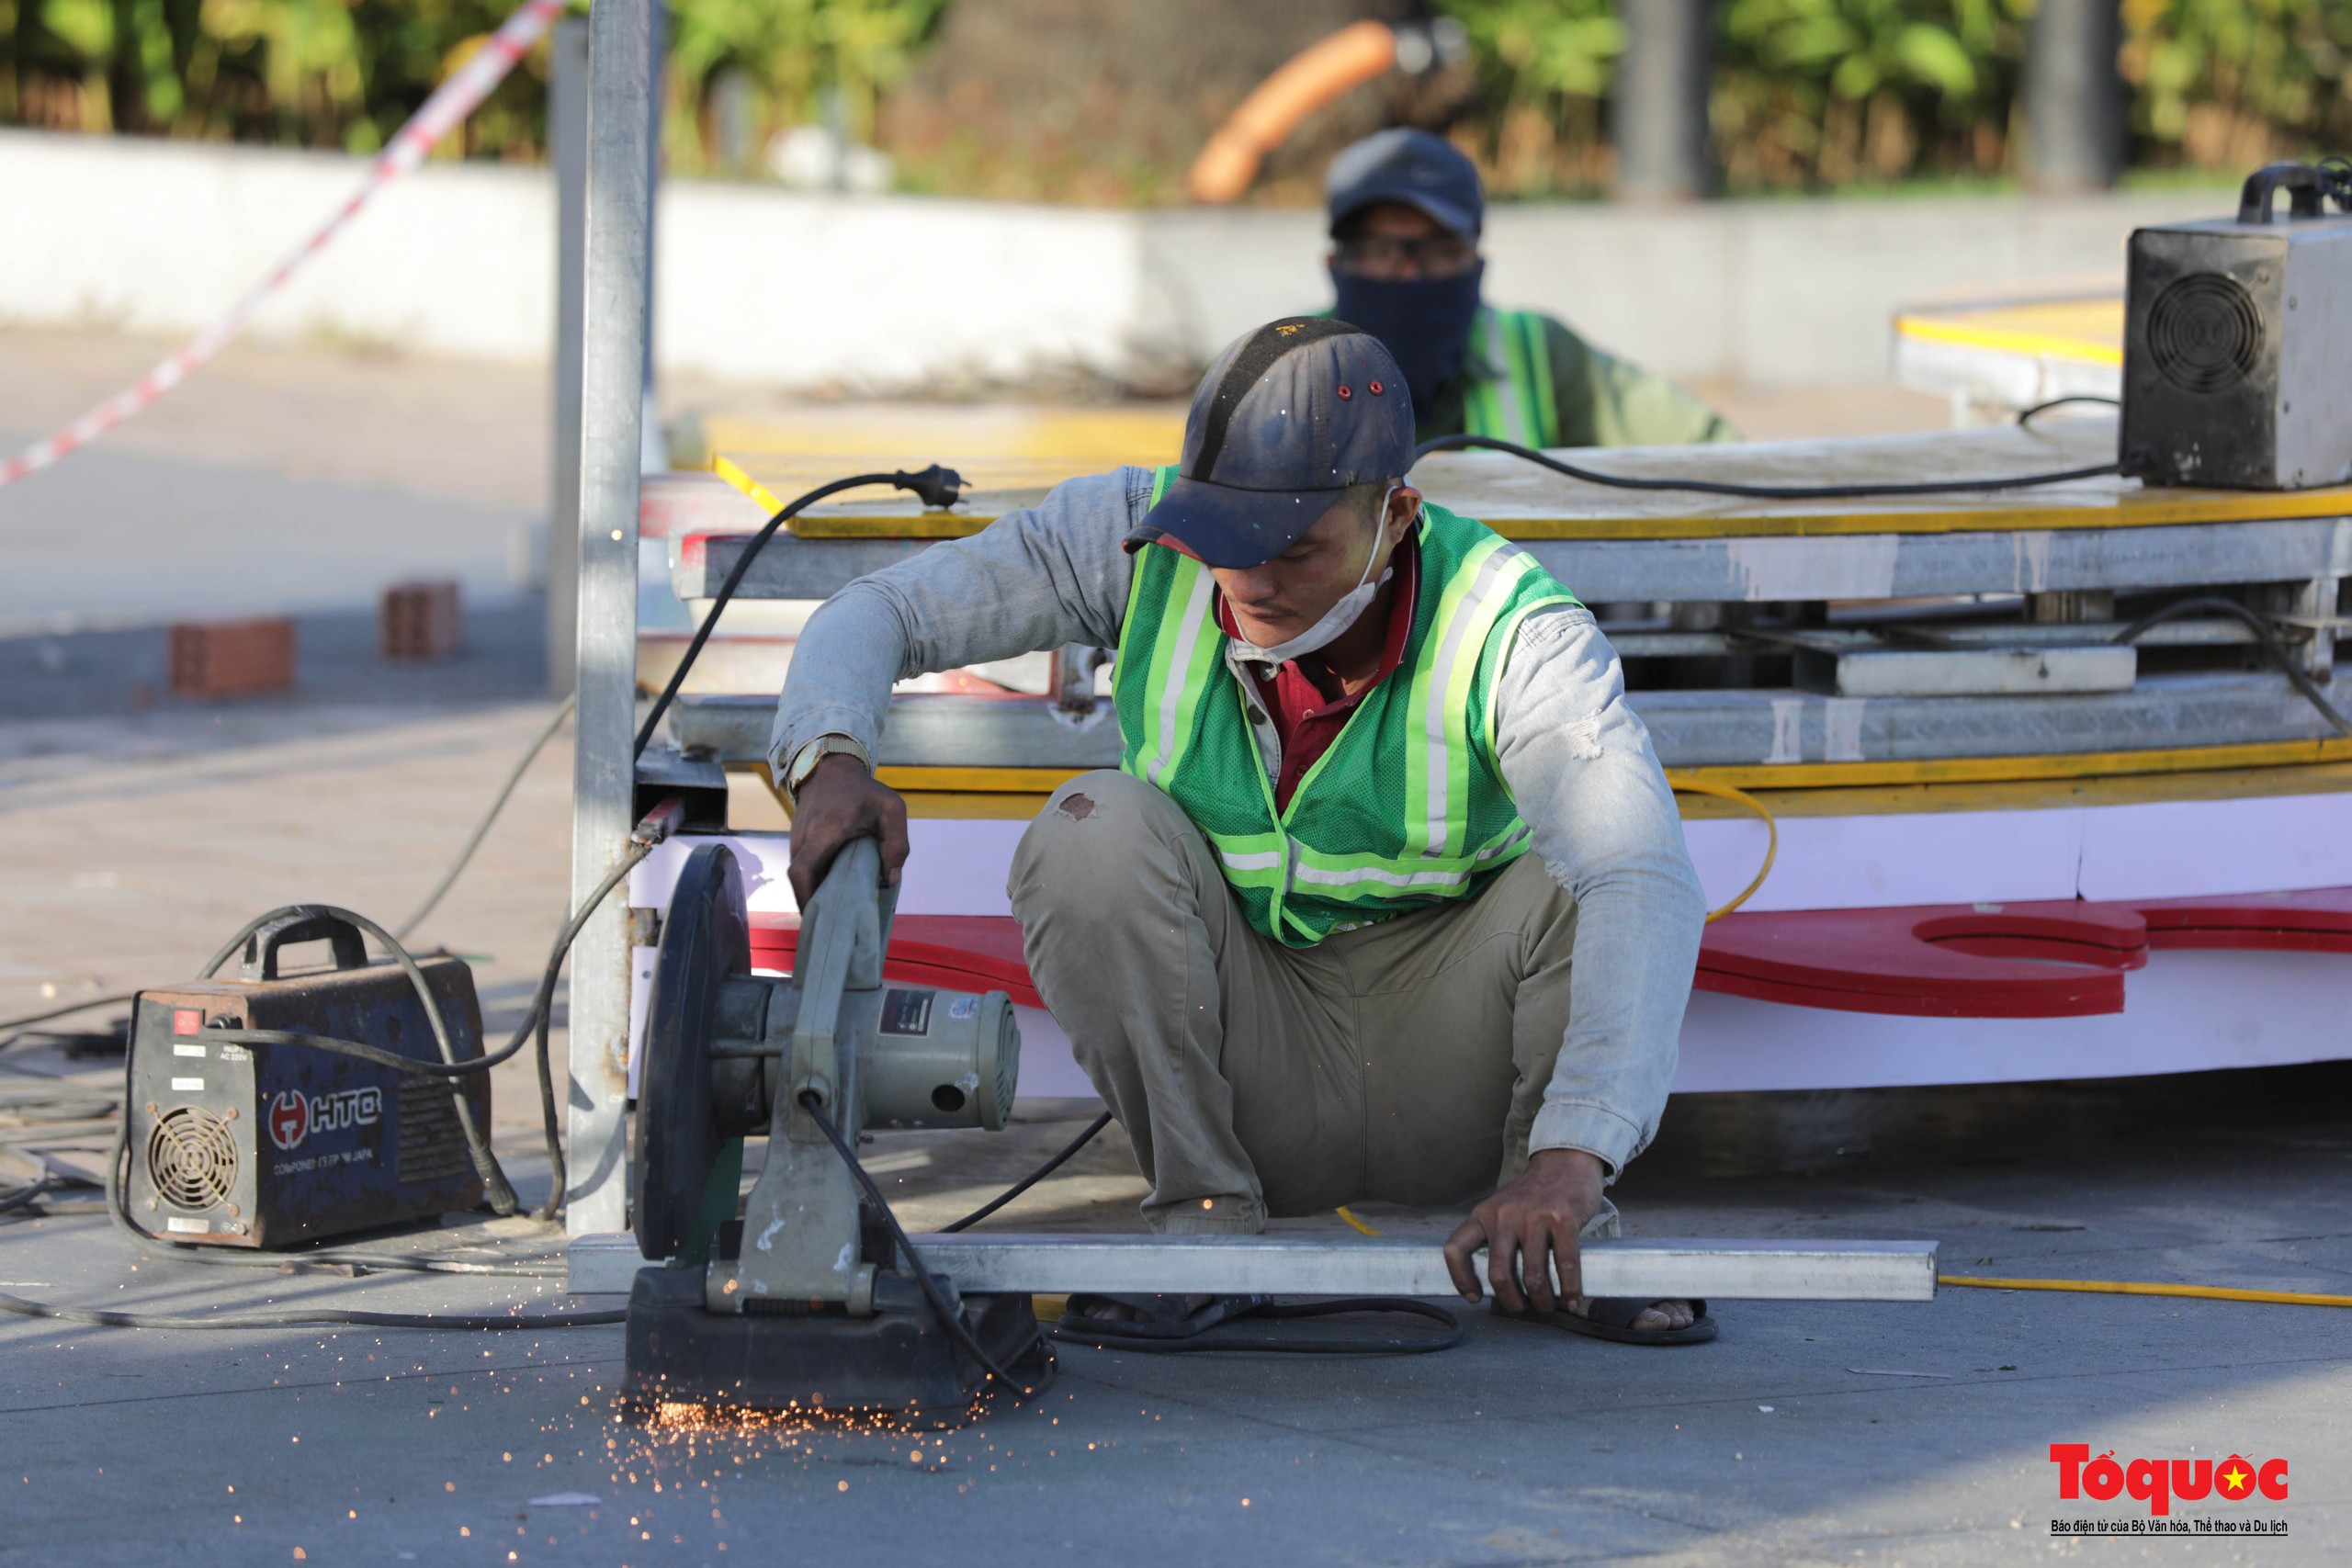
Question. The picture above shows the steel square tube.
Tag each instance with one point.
(1305, 1266)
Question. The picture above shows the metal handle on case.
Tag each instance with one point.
(2306, 186)
(301, 924)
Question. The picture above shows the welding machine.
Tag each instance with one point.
(265, 1145)
(2237, 338)
(806, 1299)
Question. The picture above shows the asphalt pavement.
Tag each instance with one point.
(138, 830)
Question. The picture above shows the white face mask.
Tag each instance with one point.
(1336, 620)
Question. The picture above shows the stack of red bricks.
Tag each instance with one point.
(233, 659)
(420, 620)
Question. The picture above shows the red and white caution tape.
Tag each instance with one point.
(441, 113)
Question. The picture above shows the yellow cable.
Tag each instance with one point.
(1738, 797)
(2143, 1288)
(1344, 1213)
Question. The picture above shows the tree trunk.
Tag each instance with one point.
(1660, 123)
(2074, 97)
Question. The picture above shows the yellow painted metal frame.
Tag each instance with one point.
(2086, 332)
(2141, 509)
(1821, 789)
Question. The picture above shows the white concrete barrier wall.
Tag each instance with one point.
(898, 294)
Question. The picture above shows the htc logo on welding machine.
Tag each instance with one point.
(294, 1116)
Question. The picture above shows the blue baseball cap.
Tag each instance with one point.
(1411, 166)
(1288, 419)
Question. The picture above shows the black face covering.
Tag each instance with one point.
(1423, 321)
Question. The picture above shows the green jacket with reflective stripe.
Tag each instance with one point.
(1529, 379)
(1408, 808)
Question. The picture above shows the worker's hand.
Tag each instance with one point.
(840, 801)
(1528, 1230)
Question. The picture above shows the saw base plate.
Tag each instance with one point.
(895, 1363)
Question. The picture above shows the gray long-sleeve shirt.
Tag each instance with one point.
(1576, 758)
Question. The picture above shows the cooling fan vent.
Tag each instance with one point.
(192, 1158)
(2205, 333)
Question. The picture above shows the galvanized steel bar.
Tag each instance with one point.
(1304, 1266)
(1301, 1265)
(619, 91)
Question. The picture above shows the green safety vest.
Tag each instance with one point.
(1407, 808)
(1518, 404)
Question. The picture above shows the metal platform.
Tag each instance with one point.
(1717, 728)
(1740, 570)
(1868, 630)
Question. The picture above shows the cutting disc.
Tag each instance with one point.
(705, 941)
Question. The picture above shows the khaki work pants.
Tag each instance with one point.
(1403, 1062)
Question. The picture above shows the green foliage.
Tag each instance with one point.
(2226, 82)
(346, 73)
(1835, 92)
(1534, 49)
(338, 74)
(1808, 94)
(791, 50)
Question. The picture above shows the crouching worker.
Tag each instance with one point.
(1388, 899)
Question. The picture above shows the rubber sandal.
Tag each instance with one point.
(1612, 1318)
(1163, 1316)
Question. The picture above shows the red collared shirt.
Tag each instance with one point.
(1305, 720)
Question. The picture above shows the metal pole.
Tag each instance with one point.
(1659, 120)
(2074, 97)
(612, 394)
(568, 143)
(654, 457)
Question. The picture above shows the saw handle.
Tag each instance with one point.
(844, 932)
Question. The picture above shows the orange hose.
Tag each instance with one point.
(2144, 1288)
(1738, 797)
(1357, 53)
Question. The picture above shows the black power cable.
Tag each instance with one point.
(937, 486)
(481, 828)
(32, 1192)
(1760, 492)
(1176, 1339)
(14, 1024)
(2263, 634)
(440, 890)
(324, 1318)
(2025, 416)
(1035, 1177)
(950, 1320)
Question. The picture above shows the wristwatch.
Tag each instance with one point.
(804, 762)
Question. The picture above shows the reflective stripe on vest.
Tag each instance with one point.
(1517, 401)
(1406, 806)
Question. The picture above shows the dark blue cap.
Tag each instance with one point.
(1286, 419)
(1411, 166)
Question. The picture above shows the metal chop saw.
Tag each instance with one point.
(811, 1299)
